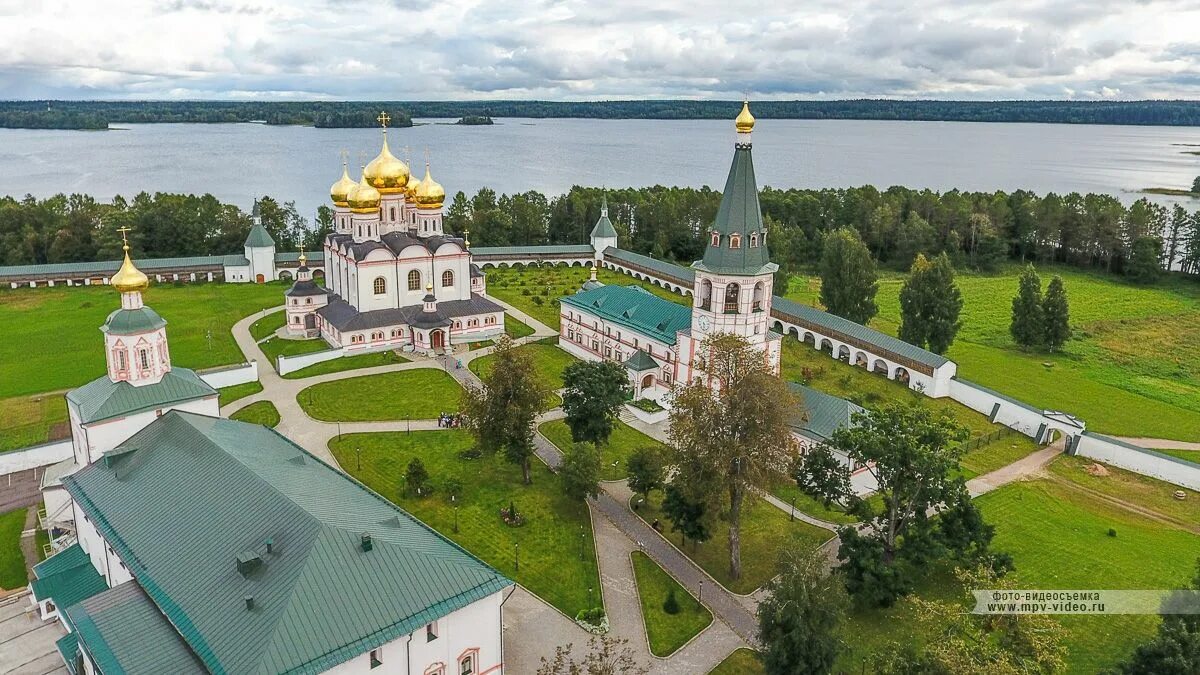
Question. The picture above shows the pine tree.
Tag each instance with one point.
(848, 277)
(1056, 313)
(930, 303)
(1027, 321)
(1143, 266)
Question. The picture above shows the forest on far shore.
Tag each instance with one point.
(100, 114)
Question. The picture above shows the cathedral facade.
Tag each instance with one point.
(393, 277)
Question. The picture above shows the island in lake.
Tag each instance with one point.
(475, 120)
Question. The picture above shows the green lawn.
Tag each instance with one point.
(227, 395)
(347, 363)
(259, 412)
(407, 394)
(765, 532)
(549, 360)
(556, 531)
(742, 661)
(667, 632)
(199, 318)
(788, 491)
(516, 329)
(12, 561)
(31, 420)
(1128, 486)
(276, 347)
(615, 454)
(551, 283)
(266, 326)
(1132, 367)
(1192, 456)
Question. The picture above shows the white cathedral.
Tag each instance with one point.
(394, 279)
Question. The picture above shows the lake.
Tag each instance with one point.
(236, 162)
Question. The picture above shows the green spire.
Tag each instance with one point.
(604, 226)
(741, 248)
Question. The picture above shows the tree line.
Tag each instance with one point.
(1172, 113)
(100, 114)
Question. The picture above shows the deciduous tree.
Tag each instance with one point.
(646, 470)
(734, 436)
(501, 413)
(930, 303)
(848, 277)
(800, 618)
(580, 471)
(595, 391)
(605, 656)
(689, 517)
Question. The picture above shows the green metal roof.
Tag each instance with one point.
(787, 310)
(604, 226)
(188, 494)
(258, 236)
(68, 558)
(294, 256)
(740, 214)
(132, 321)
(640, 361)
(667, 270)
(825, 413)
(636, 308)
(68, 649)
(75, 579)
(482, 253)
(103, 399)
(123, 631)
(109, 267)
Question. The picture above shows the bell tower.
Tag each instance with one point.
(135, 336)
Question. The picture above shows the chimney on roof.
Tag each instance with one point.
(366, 542)
(249, 602)
(270, 544)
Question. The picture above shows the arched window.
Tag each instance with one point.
(447, 278)
(308, 301)
(414, 280)
(295, 319)
(393, 216)
(753, 240)
(735, 240)
(705, 294)
(732, 292)
(377, 335)
(758, 297)
(716, 238)
(380, 286)
(121, 363)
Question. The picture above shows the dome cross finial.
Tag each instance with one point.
(383, 119)
(124, 240)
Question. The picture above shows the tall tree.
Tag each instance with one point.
(848, 277)
(1175, 649)
(595, 391)
(799, 620)
(580, 471)
(646, 470)
(912, 454)
(689, 516)
(501, 413)
(737, 435)
(1056, 315)
(1028, 324)
(1144, 260)
(930, 303)
(605, 656)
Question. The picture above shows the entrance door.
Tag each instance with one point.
(438, 339)
(260, 278)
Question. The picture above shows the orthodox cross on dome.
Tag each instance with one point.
(124, 240)
(383, 119)
(345, 154)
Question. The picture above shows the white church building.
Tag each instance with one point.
(194, 544)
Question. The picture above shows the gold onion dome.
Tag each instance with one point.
(363, 198)
(744, 121)
(129, 278)
(386, 173)
(339, 192)
(410, 191)
(429, 194)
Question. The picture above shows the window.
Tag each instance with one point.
(295, 319)
(758, 298)
(466, 665)
(447, 278)
(716, 238)
(705, 294)
(735, 240)
(144, 357)
(607, 351)
(393, 216)
(431, 631)
(380, 286)
(753, 240)
(377, 335)
(308, 301)
(376, 657)
(121, 364)
(620, 356)
(295, 301)
(732, 292)
(414, 280)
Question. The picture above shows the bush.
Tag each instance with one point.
(1112, 532)
(671, 605)
(526, 292)
(416, 479)
(470, 453)
(453, 488)
(537, 300)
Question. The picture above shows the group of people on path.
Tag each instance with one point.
(449, 421)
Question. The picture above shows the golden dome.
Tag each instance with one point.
(339, 192)
(744, 121)
(429, 194)
(363, 198)
(410, 190)
(129, 278)
(386, 173)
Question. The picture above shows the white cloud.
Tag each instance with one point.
(571, 49)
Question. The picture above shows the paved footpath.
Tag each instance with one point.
(1159, 443)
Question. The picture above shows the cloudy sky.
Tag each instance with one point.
(571, 50)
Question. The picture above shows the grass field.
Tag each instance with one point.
(347, 363)
(1192, 456)
(266, 326)
(277, 346)
(407, 394)
(549, 360)
(30, 420)
(666, 632)
(556, 532)
(615, 454)
(227, 395)
(1132, 367)
(199, 318)
(259, 412)
(1131, 487)
(742, 661)
(12, 561)
(765, 532)
(516, 329)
